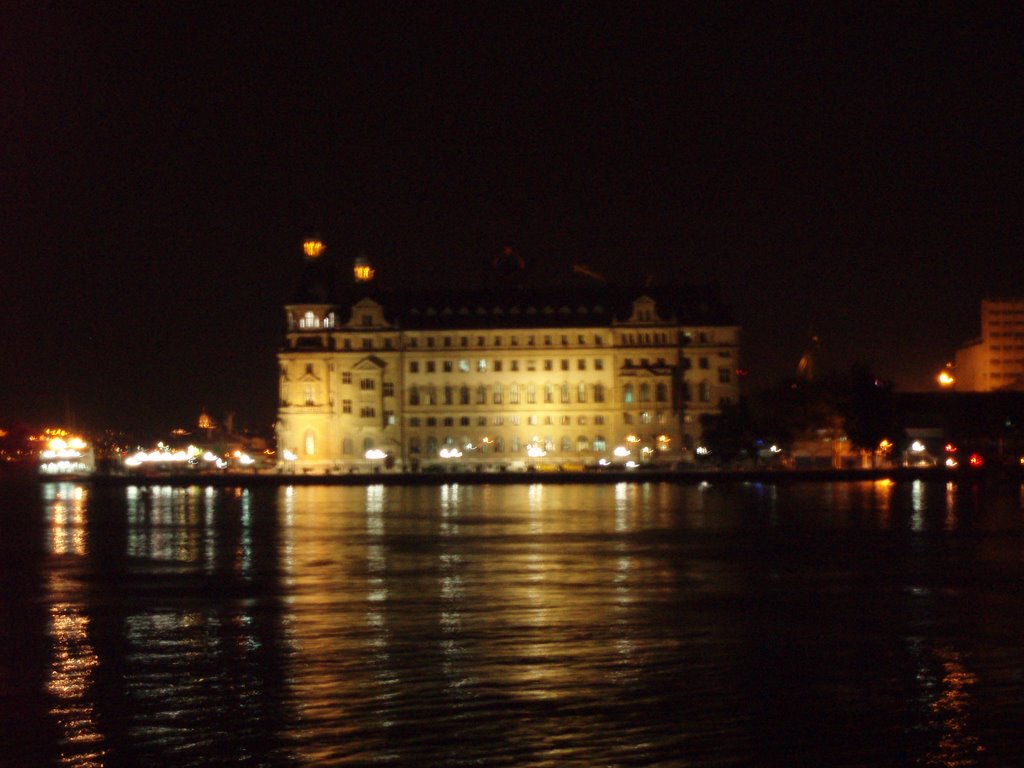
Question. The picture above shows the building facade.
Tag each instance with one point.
(497, 379)
(995, 361)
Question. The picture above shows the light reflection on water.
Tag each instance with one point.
(625, 624)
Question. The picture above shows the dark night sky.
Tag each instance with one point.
(856, 173)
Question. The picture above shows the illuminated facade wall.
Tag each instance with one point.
(505, 384)
(996, 360)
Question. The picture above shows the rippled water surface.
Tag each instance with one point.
(806, 624)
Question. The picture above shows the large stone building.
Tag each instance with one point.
(995, 361)
(499, 378)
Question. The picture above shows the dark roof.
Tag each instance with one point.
(316, 284)
(561, 306)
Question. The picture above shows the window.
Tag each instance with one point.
(481, 421)
(481, 366)
(531, 393)
(414, 445)
(367, 412)
(389, 389)
(549, 420)
(448, 366)
(431, 366)
(581, 364)
(597, 420)
(627, 393)
(463, 395)
(598, 341)
(367, 343)
(549, 365)
(515, 443)
(481, 395)
(431, 445)
(531, 340)
(627, 418)
(431, 395)
(308, 320)
(514, 420)
(566, 420)
(414, 342)
(367, 385)
(513, 393)
(599, 393)
(497, 366)
(479, 341)
(582, 443)
(414, 366)
(497, 393)
(566, 444)
(463, 365)
(499, 445)
(430, 341)
(463, 341)
(565, 392)
(565, 364)
(389, 418)
(531, 420)
(724, 376)
(514, 365)
(414, 421)
(309, 395)
(449, 421)
(702, 362)
(447, 341)
(449, 395)
(645, 417)
(431, 421)
(414, 396)
(346, 406)
(599, 364)
(705, 392)
(599, 444)
(581, 392)
(367, 320)
(645, 392)
(498, 421)
(547, 341)
(497, 341)
(549, 393)
(531, 365)
(346, 377)
(661, 393)
(464, 422)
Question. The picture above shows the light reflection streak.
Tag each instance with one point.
(951, 507)
(65, 515)
(917, 504)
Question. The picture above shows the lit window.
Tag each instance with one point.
(463, 365)
(497, 393)
(481, 366)
(599, 444)
(627, 394)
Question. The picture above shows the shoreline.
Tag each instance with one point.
(682, 477)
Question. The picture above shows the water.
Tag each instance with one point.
(806, 624)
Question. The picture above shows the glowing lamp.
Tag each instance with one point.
(621, 451)
(313, 249)
(375, 454)
(362, 271)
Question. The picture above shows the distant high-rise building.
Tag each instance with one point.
(497, 378)
(995, 361)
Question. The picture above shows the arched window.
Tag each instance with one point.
(414, 395)
(627, 393)
(481, 395)
(566, 444)
(513, 393)
(497, 393)
(329, 321)
(449, 395)
(499, 445)
(431, 395)
(599, 393)
(661, 393)
(514, 445)
(308, 321)
(463, 395)
(309, 442)
(581, 393)
(431, 446)
(582, 444)
(599, 444)
(645, 392)
(565, 392)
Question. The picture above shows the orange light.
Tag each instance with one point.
(313, 248)
(976, 460)
(950, 448)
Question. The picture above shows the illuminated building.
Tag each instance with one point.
(995, 361)
(497, 378)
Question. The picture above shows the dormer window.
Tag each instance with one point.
(330, 321)
(309, 320)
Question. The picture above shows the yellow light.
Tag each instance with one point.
(632, 439)
(945, 379)
(313, 248)
(362, 270)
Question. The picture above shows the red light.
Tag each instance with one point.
(950, 448)
(976, 460)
